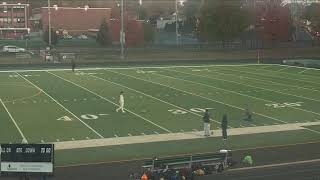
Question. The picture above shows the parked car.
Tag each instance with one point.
(82, 36)
(67, 36)
(13, 49)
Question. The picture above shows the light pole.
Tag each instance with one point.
(49, 21)
(177, 26)
(122, 35)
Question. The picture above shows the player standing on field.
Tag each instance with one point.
(73, 65)
(121, 102)
(206, 123)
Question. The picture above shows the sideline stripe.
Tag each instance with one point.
(152, 97)
(275, 165)
(110, 101)
(185, 154)
(68, 69)
(14, 122)
(62, 106)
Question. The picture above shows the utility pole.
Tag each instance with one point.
(177, 25)
(49, 21)
(122, 35)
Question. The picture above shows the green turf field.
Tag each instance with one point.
(60, 105)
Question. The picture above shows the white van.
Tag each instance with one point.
(13, 49)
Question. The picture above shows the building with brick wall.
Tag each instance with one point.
(75, 21)
(14, 20)
(272, 20)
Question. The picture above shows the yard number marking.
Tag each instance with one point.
(64, 118)
(283, 105)
(13, 76)
(196, 110)
(84, 116)
(89, 116)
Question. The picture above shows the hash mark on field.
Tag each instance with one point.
(74, 99)
(156, 132)
(65, 100)
(103, 114)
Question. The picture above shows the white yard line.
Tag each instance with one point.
(247, 85)
(137, 67)
(318, 132)
(303, 71)
(282, 69)
(265, 81)
(24, 139)
(151, 97)
(236, 107)
(147, 120)
(273, 76)
(227, 91)
(61, 106)
(177, 136)
(297, 67)
(237, 93)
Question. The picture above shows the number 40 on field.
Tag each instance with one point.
(84, 116)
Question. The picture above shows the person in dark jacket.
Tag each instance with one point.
(206, 123)
(73, 65)
(224, 126)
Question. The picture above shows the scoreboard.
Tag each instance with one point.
(37, 158)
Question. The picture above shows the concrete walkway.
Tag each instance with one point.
(179, 136)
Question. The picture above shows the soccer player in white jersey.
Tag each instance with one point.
(121, 102)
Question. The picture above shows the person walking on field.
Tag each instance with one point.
(224, 126)
(73, 65)
(121, 102)
(206, 123)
